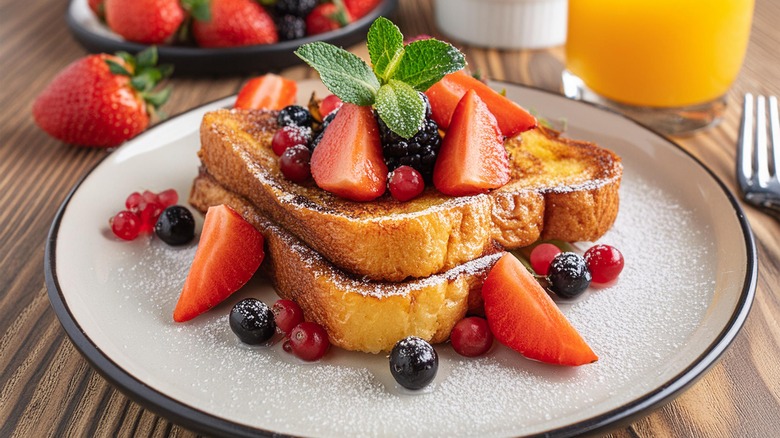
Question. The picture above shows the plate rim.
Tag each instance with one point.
(183, 414)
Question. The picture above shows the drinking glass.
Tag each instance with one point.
(665, 63)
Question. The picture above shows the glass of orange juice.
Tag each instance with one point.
(666, 63)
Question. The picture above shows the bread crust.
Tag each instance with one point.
(560, 189)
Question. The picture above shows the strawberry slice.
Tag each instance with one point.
(523, 317)
(445, 95)
(229, 253)
(270, 92)
(348, 160)
(472, 158)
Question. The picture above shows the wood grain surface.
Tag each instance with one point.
(48, 389)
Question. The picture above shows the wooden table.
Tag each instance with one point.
(47, 388)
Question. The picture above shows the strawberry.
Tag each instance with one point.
(229, 252)
(445, 95)
(269, 91)
(101, 100)
(472, 158)
(327, 17)
(232, 23)
(329, 104)
(360, 8)
(523, 317)
(144, 21)
(348, 160)
(98, 7)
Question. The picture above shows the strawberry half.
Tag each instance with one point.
(270, 91)
(472, 158)
(348, 160)
(524, 318)
(229, 252)
(102, 100)
(445, 95)
(233, 23)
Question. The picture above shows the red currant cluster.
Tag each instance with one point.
(142, 212)
(305, 339)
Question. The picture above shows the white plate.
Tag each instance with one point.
(685, 292)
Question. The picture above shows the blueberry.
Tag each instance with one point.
(413, 363)
(568, 275)
(175, 226)
(295, 115)
(252, 321)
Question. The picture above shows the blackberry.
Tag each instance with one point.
(569, 275)
(418, 152)
(298, 8)
(291, 27)
(325, 122)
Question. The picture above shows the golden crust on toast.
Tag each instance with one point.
(358, 314)
(560, 189)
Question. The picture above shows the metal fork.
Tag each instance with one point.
(760, 184)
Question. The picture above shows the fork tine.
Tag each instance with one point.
(774, 129)
(745, 145)
(762, 159)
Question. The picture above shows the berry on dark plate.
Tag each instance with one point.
(413, 363)
(252, 321)
(291, 27)
(298, 8)
(175, 226)
(569, 275)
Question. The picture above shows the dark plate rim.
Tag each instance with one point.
(195, 419)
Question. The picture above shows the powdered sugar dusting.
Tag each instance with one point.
(662, 294)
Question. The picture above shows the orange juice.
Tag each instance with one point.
(658, 53)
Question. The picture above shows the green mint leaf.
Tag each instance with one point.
(427, 61)
(401, 108)
(385, 47)
(345, 74)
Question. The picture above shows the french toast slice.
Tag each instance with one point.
(559, 189)
(358, 314)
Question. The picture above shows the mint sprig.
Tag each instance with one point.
(399, 73)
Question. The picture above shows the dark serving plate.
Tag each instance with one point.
(195, 61)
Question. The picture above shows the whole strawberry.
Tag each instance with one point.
(144, 21)
(98, 7)
(360, 8)
(327, 17)
(231, 23)
(102, 100)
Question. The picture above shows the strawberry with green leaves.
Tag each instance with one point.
(360, 8)
(144, 21)
(232, 23)
(102, 100)
(327, 17)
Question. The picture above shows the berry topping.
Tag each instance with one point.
(175, 226)
(298, 8)
(471, 337)
(126, 225)
(229, 252)
(295, 115)
(348, 160)
(294, 163)
(569, 275)
(419, 151)
(325, 123)
(168, 197)
(289, 136)
(605, 263)
(405, 183)
(329, 104)
(472, 158)
(287, 314)
(413, 363)
(150, 212)
(541, 257)
(290, 27)
(309, 341)
(269, 91)
(133, 202)
(252, 321)
(522, 316)
(445, 95)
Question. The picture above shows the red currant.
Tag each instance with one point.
(405, 183)
(126, 225)
(294, 163)
(329, 104)
(605, 263)
(134, 201)
(287, 314)
(168, 197)
(471, 337)
(289, 136)
(309, 341)
(287, 347)
(541, 257)
(150, 196)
